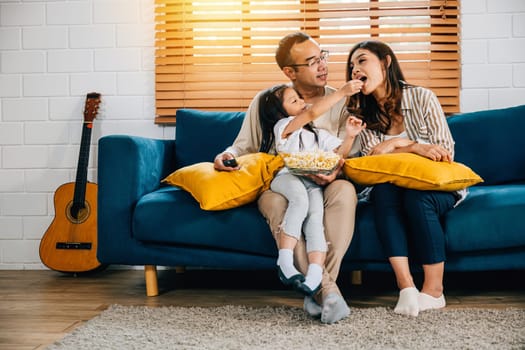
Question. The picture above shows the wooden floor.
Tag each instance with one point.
(39, 307)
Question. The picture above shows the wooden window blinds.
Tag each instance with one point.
(216, 55)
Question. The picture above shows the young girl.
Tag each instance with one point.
(404, 118)
(285, 119)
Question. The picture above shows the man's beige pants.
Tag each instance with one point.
(340, 202)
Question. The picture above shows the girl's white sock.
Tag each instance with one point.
(314, 275)
(407, 303)
(285, 262)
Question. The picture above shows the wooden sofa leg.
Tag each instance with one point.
(152, 286)
(357, 277)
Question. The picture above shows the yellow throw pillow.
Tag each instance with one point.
(219, 190)
(410, 170)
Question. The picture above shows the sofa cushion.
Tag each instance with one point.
(488, 219)
(201, 135)
(171, 217)
(219, 190)
(410, 171)
(491, 142)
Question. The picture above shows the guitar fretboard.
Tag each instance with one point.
(82, 168)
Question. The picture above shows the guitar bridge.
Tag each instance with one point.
(73, 245)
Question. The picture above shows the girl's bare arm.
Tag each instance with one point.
(348, 89)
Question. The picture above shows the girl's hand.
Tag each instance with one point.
(354, 126)
(434, 152)
(351, 87)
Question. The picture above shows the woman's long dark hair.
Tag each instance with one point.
(366, 106)
(270, 112)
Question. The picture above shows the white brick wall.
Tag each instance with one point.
(53, 52)
(492, 54)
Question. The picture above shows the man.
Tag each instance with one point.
(304, 63)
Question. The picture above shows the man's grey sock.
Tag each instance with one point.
(334, 308)
(311, 307)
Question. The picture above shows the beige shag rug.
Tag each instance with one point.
(239, 327)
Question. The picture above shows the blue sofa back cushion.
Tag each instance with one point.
(492, 143)
(201, 135)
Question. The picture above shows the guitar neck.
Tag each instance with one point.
(82, 168)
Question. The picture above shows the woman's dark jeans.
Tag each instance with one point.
(409, 220)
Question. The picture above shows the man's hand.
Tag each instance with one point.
(323, 180)
(219, 165)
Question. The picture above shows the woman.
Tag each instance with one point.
(403, 118)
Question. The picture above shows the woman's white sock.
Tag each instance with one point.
(407, 303)
(427, 302)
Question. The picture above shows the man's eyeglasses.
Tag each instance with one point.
(314, 62)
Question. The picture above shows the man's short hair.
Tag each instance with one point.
(282, 54)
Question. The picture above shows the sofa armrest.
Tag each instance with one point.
(128, 168)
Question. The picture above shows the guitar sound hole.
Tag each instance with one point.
(81, 213)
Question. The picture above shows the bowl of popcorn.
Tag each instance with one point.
(311, 162)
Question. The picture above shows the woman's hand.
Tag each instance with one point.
(323, 180)
(390, 146)
(434, 152)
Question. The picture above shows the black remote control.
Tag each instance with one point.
(232, 163)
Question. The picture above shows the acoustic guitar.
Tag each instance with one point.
(70, 242)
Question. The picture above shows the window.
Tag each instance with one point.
(216, 55)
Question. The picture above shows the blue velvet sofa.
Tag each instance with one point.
(142, 222)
